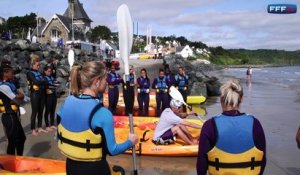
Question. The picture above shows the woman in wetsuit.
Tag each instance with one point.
(50, 98)
(85, 126)
(10, 97)
(232, 142)
(143, 93)
(37, 85)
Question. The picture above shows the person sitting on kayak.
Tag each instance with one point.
(172, 124)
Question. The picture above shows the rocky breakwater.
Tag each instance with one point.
(18, 53)
(200, 82)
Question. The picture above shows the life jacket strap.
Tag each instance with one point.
(219, 164)
(88, 146)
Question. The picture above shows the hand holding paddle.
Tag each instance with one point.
(175, 94)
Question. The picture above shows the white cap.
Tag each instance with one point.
(175, 103)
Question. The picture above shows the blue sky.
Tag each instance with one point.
(226, 23)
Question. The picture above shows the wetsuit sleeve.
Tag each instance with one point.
(148, 84)
(206, 143)
(260, 141)
(103, 119)
(109, 79)
(7, 91)
(154, 83)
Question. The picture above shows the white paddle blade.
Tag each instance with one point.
(125, 34)
(71, 59)
(175, 94)
(22, 110)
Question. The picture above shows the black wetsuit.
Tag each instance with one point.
(50, 101)
(12, 125)
(37, 96)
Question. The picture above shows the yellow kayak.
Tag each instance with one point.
(120, 110)
(144, 127)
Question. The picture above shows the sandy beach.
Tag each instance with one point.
(277, 108)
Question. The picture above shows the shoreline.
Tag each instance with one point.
(255, 66)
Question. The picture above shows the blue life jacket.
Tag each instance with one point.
(11, 86)
(161, 84)
(131, 79)
(50, 80)
(114, 77)
(38, 76)
(235, 152)
(142, 87)
(6, 104)
(77, 140)
(181, 81)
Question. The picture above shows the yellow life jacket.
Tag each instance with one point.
(81, 146)
(14, 107)
(234, 152)
(9, 105)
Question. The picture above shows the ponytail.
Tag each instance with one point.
(231, 93)
(75, 80)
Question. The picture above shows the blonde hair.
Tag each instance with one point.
(231, 93)
(34, 58)
(83, 76)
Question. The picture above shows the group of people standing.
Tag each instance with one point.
(160, 85)
(42, 88)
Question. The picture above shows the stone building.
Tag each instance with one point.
(60, 26)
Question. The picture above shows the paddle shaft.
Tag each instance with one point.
(190, 108)
(133, 148)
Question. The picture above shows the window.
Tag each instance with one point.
(55, 35)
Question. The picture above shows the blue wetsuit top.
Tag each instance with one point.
(102, 119)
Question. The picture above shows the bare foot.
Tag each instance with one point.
(48, 129)
(42, 130)
(53, 127)
(195, 141)
(34, 132)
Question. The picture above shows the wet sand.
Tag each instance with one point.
(277, 108)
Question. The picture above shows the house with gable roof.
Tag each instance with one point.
(60, 26)
(184, 51)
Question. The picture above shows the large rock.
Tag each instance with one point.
(201, 83)
(18, 53)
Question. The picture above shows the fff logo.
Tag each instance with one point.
(282, 8)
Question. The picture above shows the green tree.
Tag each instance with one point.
(20, 25)
(102, 32)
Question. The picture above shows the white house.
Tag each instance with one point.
(184, 51)
(2, 20)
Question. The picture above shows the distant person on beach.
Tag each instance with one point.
(161, 85)
(249, 73)
(128, 90)
(298, 138)
(37, 85)
(232, 142)
(85, 127)
(143, 89)
(181, 82)
(113, 81)
(10, 98)
(50, 100)
(171, 124)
